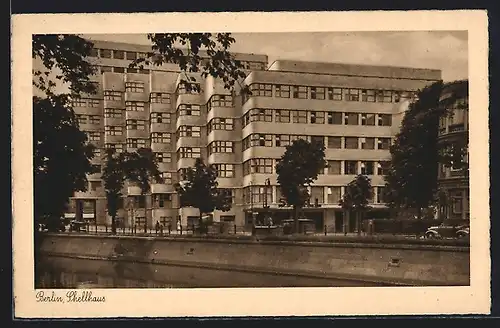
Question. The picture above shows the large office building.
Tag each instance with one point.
(355, 110)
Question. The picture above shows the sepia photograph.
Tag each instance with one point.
(239, 160)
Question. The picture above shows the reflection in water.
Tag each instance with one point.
(62, 272)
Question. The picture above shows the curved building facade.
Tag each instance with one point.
(453, 179)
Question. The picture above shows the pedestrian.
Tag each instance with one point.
(157, 227)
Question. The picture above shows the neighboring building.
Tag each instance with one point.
(355, 110)
(454, 180)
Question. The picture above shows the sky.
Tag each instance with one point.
(444, 50)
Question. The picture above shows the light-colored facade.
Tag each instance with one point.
(454, 180)
(355, 110)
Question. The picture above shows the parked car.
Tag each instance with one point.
(76, 225)
(447, 231)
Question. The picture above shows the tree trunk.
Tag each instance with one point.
(296, 219)
(202, 228)
(419, 213)
(358, 222)
(113, 224)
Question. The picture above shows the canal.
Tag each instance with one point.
(66, 272)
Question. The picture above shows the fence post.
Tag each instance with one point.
(181, 229)
(169, 228)
(106, 227)
(325, 229)
(235, 229)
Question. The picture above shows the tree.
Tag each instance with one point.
(198, 189)
(297, 168)
(61, 157)
(137, 167)
(412, 177)
(356, 198)
(185, 49)
(416, 153)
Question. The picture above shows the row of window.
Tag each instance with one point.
(118, 54)
(261, 194)
(88, 119)
(115, 69)
(316, 117)
(283, 140)
(334, 167)
(219, 101)
(220, 123)
(329, 93)
(155, 117)
(85, 102)
(154, 97)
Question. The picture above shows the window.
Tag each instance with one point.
(136, 143)
(456, 202)
(384, 143)
(334, 118)
(105, 69)
(113, 112)
(300, 92)
(367, 143)
(384, 119)
(262, 90)
(227, 218)
(194, 88)
(136, 125)
(368, 95)
(117, 147)
(112, 95)
(166, 177)
(351, 119)
(132, 70)
(383, 168)
(258, 194)
(189, 131)
(317, 93)
(384, 96)
(294, 137)
(282, 115)
(351, 143)
(282, 140)
(94, 185)
(282, 91)
(105, 53)
(221, 101)
(82, 119)
(351, 94)
(159, 98)
(189, 152)
(136, 106)
(258, 165)
(333, 195)
(93, 102)
(94, 119)
(160, 117)
(350, 167)
(221, 147)
(224, 170)
(261, 115)
(96, 168)
(318, 139)
(113, 130)
(94, 135)
(78, 102)
(367, 167)
(131, 55)
(299, 116)
(317, 117)
(334, 94)
(335, 142)
(118, 54)
(381, 195)
(134, 86)
(189, 109)
(334, 167)
(97, 152)
(256, 139)
(161, 200)
(163, 157)
(160, 137)
(220, 123)
(403, 96)
(367, 119)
